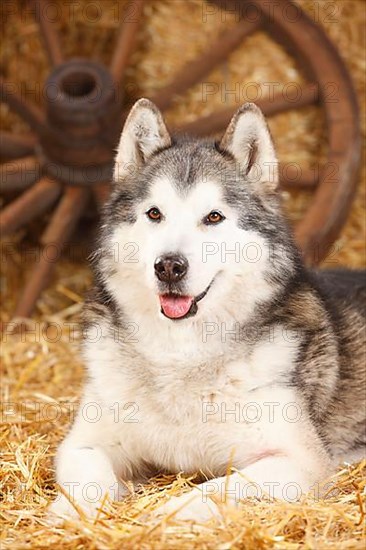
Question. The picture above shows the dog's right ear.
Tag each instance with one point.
(143, 134)
(249, 141)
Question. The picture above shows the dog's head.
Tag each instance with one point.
(194, 227)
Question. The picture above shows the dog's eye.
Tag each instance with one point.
(154, 214)
(213, 218)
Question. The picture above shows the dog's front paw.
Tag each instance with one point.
(62, 509)
(191, 506)
(77, 505)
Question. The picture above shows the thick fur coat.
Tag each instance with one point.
(208, 344)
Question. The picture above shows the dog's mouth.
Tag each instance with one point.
(175, 306)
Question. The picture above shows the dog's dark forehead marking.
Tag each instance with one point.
(189, 162)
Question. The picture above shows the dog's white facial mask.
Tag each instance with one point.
(222, 257)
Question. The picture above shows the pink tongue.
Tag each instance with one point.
(175, 306)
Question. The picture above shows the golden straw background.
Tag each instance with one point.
(42, 372)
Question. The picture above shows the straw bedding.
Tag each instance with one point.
(41, 371)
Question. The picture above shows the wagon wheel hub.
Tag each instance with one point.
(83, 121)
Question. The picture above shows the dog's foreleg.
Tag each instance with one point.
(84, 470)
(85, 475)
(273, 477)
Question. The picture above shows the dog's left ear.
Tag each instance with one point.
(249, 141)
(143, 134)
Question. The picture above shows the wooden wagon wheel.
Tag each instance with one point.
(74, 136)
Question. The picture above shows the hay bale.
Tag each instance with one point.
(42, 372)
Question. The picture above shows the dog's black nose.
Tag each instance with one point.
(171, 268)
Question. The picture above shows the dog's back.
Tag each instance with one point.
(343, 293)
(343, 286)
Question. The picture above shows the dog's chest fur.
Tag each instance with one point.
(193, 398)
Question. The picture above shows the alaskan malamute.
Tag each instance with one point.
(209, 346)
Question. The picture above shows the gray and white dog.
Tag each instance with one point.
(209, 346)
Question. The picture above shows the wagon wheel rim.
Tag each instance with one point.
(41, 191)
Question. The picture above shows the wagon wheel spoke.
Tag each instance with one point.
(29, 112)
(13, 146)
(308, 95)
(49, 34)
(29, 205)
(18, 174)
(101, 192)
(270, 106)
(60, 228)
(66, 215)
(293, 176)
(126, 40)
(193, 71)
